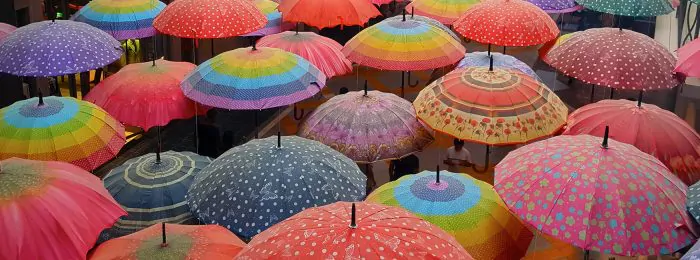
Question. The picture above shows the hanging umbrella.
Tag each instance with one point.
(132, 19)
(430, 21)
(51, 210)
(483, 59)
(545, 48)
(688, 57)
(615, 58)
(56, 48)
(557, 6)
(610, 198)
(445, 11)
(268, 180)
(172, 241)
(367, 126)
(5, 30)
(383, 2)
(209, 19)
(326, 14)
(693, 253)
(322, 52)
(693, 203)
(466, 208)
(507, 23)
(340, 230)
(151, 188)
(274, 18)
(629, 7)
(59, 129)
(256, 78)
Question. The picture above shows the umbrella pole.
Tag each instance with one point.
(160, 147)
(165, 241)
(412, 85)
(279, 139)
(365, 88)
(504, 49)
(612, 93)
(639, 100)
(592, 92)
(353, 221)
(489, 50)
(437, 174)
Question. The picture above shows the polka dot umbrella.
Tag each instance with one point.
(59, 129)
(124, 19)
(615, 58)
(557, 6)
(350, 231)
(482, 59)
(464, 207)
(5, 30)
(597, 194)
(545, 48)
(445, 11)
(322, 52)
(693, 203)
(688, 57)
(326, 14)
(256, 185)
(629, 7)
(209, 19)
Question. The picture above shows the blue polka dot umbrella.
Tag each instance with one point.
(256, 185)
(482, 59)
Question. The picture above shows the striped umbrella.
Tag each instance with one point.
(123, 19)
(6, 29)
(322, 52)
(431, 21)
(274, 18)
(445, 11)
(59, 129)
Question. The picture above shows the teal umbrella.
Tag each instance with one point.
(629, 7)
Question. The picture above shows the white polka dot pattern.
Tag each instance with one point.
(209, 19)
(629, 7)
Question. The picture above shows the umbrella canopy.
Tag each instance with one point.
(337, 230)
(256, 78)
(403, 45)
(651, 129)
(445, 11)
(610, 198)
(545, 48)
(466, 208)
(693, 203)
(693, 253)
(181, 242)
(507, 23)
(125, 19)
(268, 180)
(367, 127)
(152, 190)
(322, 52)
(274, 18)
(615, 58)
(55, 48)
(146, 94)
(430, 21)
(59, 129)
(688, 59)
(557, 6)
(51, 210)
(209, 19)
(629, 7)
(325, 14)
(5, 30)
(498, 107)
(483, 59)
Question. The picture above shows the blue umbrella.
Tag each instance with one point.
(481, 59)
(253, 186)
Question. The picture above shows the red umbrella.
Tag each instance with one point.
(322, 52)
(209, 19)
(689, 59)
(326, 13)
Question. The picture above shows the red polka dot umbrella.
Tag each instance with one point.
(507, 23)
(615, 58)
(209, 19)
(326, 13)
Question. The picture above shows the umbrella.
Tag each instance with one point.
(340, 230)
(466, 208)
(483, 59)
(151, 188)
(693, 253)
(59, 129)
(172, 241)
(274, 18)
(56, 48)
(123, 20)
(367, 126)
(610, 198)
(51, 210)
(545, 48)
(651, 129)
(326, 14)
(5, 30)
(693, 203)
(557, 6)
(209, 19)
(253, 186)
(383, 2)
(255, 79)
(507, 23)
(688, 57)
(615, 58)
(445, 11)
(322, 52)
(629, 7)
(430, 21)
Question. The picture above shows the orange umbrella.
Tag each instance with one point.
(327, 13)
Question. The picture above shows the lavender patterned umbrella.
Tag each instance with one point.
(482, 59)
(557, 6)
(54, 48)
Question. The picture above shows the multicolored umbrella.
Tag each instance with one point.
(445, 11)
(274, 18)
(483, 59)
(629, 7)
(172, 241)
(493, 107)
(341, 231)
(125, 19)
(367, 126)
(545, 48)
(693, 203)
(430, 21)
(557, 6)
(59, 129)
(325, 14)
(466, 208)
(688, 57)
(56, 48)
(506, 23)
(610, 198)
(151, 188)
(209, 19)
(5, 30)
(51, 210)
(268, 180)
(256, 78)
(322, 52)
(615, 58)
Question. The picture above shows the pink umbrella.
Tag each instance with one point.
(322, 52)
(688, 59)
(597, 194)
(6, 29)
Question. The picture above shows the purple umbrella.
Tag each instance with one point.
(55, 48)
(557, 6)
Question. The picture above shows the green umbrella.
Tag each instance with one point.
(629, 7)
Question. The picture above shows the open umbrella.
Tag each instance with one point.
(483, 59)
(464, 207)
(430, 21)
(5, 30)
(693, 253)
(557, 6)
(253, 186)
(51, 210)
(349, 231)
(274, 18)
(693, 203)
(545, 48)
(322, 52)
(688, 59)
(596, 194)
(629, 7)
(325, 14)
(445, 11)
(209, 19)
(130, 19)
(56, 48)
(59, 129)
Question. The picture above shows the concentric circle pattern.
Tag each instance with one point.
(445, 11)
(123, 19)
(274, 18)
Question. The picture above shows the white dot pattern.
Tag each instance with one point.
(629, 7)
(209, 19)
(693, 202)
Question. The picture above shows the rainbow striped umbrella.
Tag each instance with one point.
(123, 19)
(254, 79)
(445, 11)
(59, 129)
(468, 209)
(274, 18)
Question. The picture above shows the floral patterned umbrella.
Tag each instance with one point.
(629, 7)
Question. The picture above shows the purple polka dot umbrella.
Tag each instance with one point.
(54, 48)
